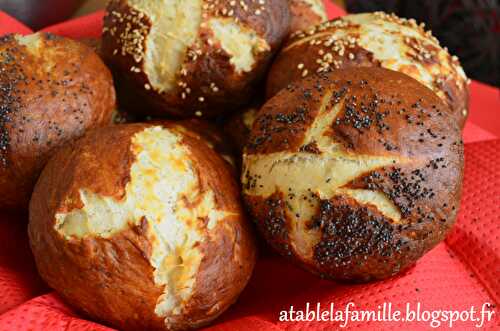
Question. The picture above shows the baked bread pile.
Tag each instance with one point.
(193, 57)
(344, 151)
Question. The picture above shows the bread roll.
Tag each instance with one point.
(374, 39)
(52, 90)
(306, 13)
(192, 57)
(354, 174)
(147, 235)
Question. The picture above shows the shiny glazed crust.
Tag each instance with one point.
(205, 82)
(111, 275)
(52, 90)
(354, 174)
(374, 39)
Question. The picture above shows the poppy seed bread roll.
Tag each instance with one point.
(147, 235)
(192, 57)
(52, 90)
(368, 40)
(354, 174)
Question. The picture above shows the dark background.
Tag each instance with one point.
(469, 28)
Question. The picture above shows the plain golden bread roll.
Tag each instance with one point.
(306, 13)
(374, 39)
(147, 235)
(354, 174)
(238, 127)
(192, 57)
(52, 90)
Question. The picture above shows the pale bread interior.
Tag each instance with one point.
(175, 26)
(175, 30)
(31, 41)
(163, 189)
(298, 175)
(393, 41)
(240, 42)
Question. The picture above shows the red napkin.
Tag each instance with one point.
(461, 272)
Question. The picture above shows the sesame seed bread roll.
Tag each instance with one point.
(306, 13)
(354, 174)
(147, 235)
(368, 40)
(192, 57)
(52, 90)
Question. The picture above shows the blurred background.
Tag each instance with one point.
(469, 28)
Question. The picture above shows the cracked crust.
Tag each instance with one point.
(354, 174)
(217, 55)
(374, 40)
(129, 269)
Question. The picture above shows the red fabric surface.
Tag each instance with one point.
(10, 25)
(83, 27)
(461, 272)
